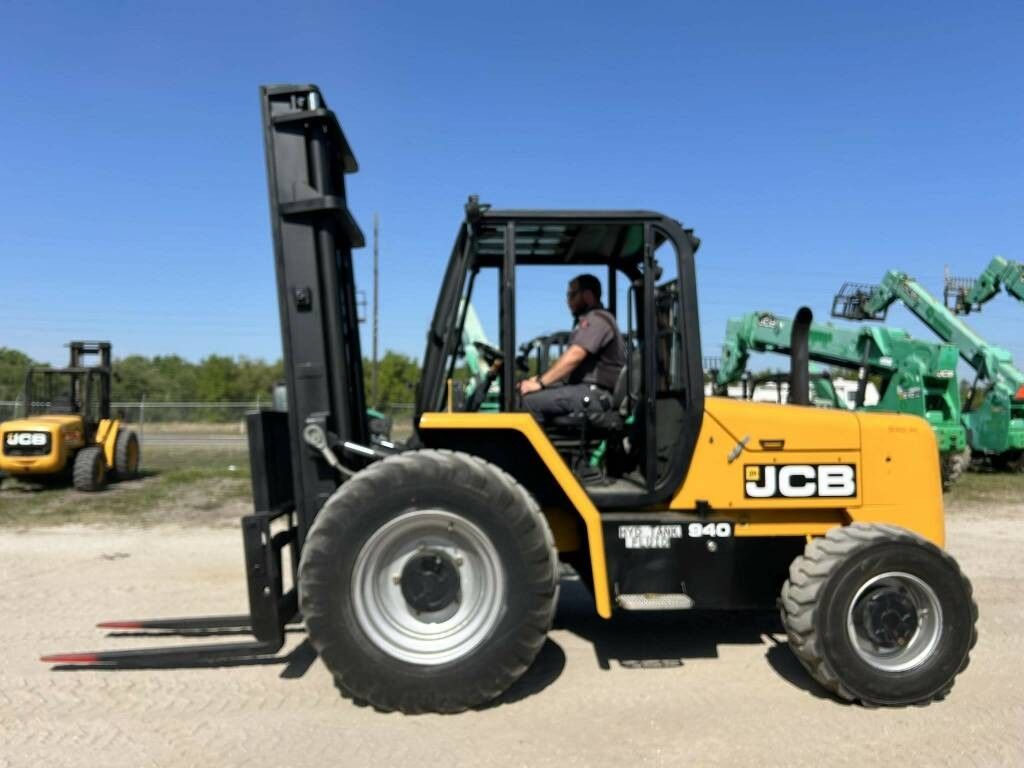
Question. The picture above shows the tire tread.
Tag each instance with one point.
(82, 473)
(539, 556)
(808, 575)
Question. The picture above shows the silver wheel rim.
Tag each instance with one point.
(925, 637)
(392, 624)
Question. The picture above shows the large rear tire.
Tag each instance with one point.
(126, 455)
(428, 582)
(879, 615)
(90, 470)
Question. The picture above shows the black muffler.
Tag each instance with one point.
(799, 373)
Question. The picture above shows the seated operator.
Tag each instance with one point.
(591, 364)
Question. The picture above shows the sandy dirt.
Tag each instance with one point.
(679, 689)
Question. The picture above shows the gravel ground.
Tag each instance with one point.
(655, 690)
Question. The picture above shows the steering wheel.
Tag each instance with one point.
(490, 354)
(495, 361)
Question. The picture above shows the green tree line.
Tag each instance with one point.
(171, 378)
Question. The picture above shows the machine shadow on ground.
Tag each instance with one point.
(31, 486)
(665, 639)
(546, 668)
(786, 665)
(641, 641)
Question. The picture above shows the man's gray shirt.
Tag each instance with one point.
(598, 333)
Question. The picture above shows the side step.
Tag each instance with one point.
(655, 602)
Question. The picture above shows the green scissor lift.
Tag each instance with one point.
(917, 377)
(995, 425)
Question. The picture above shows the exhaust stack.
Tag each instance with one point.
(799, 374)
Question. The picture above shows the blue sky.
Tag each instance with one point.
(806, 143)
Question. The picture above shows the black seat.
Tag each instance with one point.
(603, 422)
(599, 420)
(574, 433)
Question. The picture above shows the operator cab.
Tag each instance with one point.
(79, 389)
(638, 450)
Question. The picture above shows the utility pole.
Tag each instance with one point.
(376, 307)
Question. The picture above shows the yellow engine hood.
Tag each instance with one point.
(803, 428)
(42, 423)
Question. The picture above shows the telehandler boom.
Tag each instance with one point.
(964, 295)
(916, 377)
(995, 426)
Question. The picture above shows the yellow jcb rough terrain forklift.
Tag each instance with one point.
(67, 432)
(427, 574)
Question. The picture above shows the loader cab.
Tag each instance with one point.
(645, 262)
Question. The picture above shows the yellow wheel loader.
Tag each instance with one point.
(67, 432)
(427, 574)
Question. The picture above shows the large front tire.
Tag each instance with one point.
(90, 469)
(428, 582)
(879, 615)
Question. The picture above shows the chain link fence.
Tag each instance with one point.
(203, 422)
(400, 415)
(158, 412)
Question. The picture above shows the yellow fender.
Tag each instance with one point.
(106, 435)
(528, 427)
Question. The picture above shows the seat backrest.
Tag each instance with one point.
(627, 386)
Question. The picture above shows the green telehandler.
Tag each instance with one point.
(995, 421)
(915, 377)
(964, 295)
(483, 362)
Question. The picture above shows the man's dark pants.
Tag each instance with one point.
(559, 401)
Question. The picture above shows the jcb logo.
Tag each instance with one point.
(799, 481)
(26, 439)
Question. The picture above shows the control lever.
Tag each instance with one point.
(738, 449)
